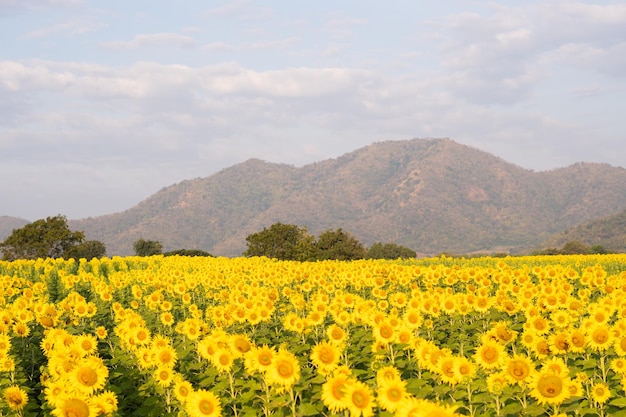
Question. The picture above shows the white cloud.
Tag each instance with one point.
(502, 57)
(165, 39)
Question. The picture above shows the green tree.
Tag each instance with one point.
(389, 251)
(89, 249)
(281, 241)
(575, 248)
(147, 247)
(339, 245)
(44, 238)
(187, 252)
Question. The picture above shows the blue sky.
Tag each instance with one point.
(104, 103)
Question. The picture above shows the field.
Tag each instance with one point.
(193, 336)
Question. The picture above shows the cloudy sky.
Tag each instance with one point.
(104, 103)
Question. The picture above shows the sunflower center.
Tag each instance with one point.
(87, 376)
(206, 407)
(600, 336)
(75, 407)
(490, 354)
(326, 356)
(550, 386)
(265, 359)
(360, 399)
(285, 369)
(394, 394)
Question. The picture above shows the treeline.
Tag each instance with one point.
(574, 247)
(52, 238)
(293, 242)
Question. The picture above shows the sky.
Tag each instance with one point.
(103, 103)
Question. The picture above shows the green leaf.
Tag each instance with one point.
(534, 410)
(308, 410)
(512, 408)
(618, 402)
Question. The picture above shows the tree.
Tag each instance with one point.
(574, 248)
(389, 251)
(187, 252)
(44, 238)
(338, 245)
(89, 249)
(147, 247)
(281, 241)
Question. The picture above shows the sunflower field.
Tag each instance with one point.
(198, 336)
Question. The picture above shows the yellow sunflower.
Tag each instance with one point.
(390, 394)
(203, 403)
(164, 376)
(74, 407)
(182, 389)
(284, 370)
(518, 369)
(104, 403)
(549, 388)
(600, 392)
(490, 355)
(88, 376)
(334, 390)
(325, 356)
(359, 400)
(599, 337)
(259, 359)
(15, 397)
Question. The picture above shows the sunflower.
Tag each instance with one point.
(556, 366)
(359, 399)
(334, 391)
(559, 342)
(417, 407)
(15, 397)
(384, 332)
(496, 382)
(549, 388)
(182, 389)
(325, 356)
(618, 365)
(490, 354)
(74, 407)
(284, 370)
(104, 403)
(464, 368)
(87, 344)
(446, 370)
(259, 359)
(164, 376)
(203, 403)
(101, 332)
(600, 337)
(600, 393)
(240, 344)
(88, 376)
(578, 340)
(165, 356)
(518, 369)
(223, 359)
(390, 394)
(619, 344)
(387, 374)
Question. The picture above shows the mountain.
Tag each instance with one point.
(432, 195)
(609, 232)
(8, 224)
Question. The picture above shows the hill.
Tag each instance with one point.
(432, 195)
(8, 224)
(609, 232)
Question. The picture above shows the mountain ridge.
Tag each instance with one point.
(432, 195)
